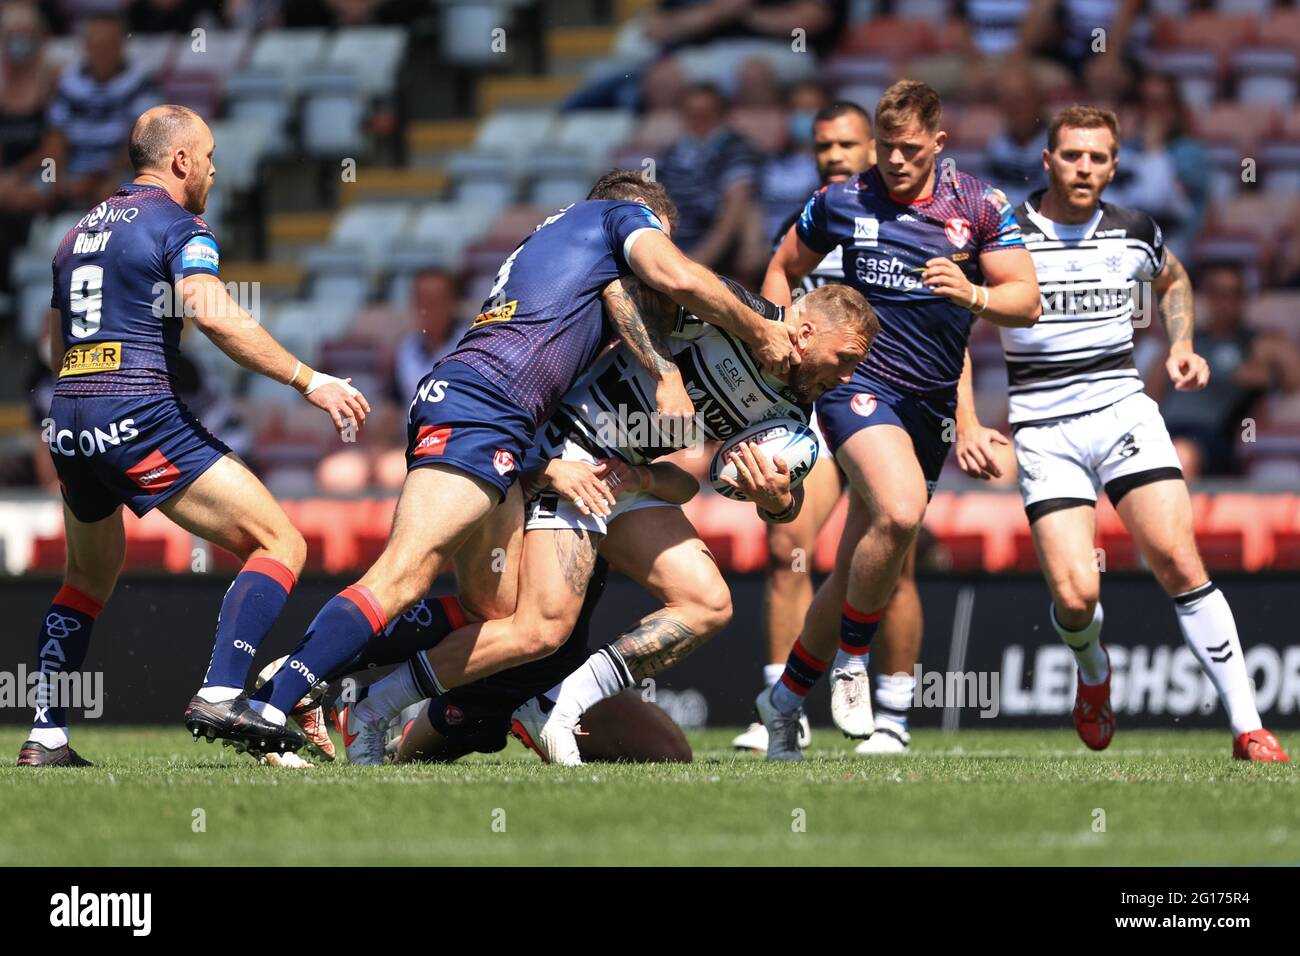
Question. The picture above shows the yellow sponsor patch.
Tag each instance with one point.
(500, 313)
(92, 357)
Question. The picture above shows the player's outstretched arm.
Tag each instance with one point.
(240, 336)
(660, 479)
(1009, 299)
(790, 263)
(643, 319)
(974, 442)
(1188, 371)
(662, 266)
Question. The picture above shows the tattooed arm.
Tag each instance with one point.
(656, 644)
(643, 319)
(1187, 370)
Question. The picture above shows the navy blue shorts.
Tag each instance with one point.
(927, 417)
(475, 718)
(458, 418)
(138, 451)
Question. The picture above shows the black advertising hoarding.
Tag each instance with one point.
(989, 649)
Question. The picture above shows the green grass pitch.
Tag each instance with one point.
(977, 797)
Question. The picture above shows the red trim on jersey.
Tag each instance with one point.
(361, 596)
(69, 596)
(273, 569)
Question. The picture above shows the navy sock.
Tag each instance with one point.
(857, 629)
(255, 599)
(337, 635)
(61, 649)
(419, 629)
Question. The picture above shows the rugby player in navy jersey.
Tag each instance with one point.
(602, 443)
(476, 413)
(931, 253)
(125, 277)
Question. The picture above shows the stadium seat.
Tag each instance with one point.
(1242, 526)
(991, 516)
(466, 31)
(221, 52)
(445, 228)
(730, 530)
(201, 92)
(332, 114)
(514, 133)
(1266, 75)
(1207, 30)
(598, 134)
(337, 276)
(1197, 73)
(262, 99)
(483, 181)
(1242, 126)
(370, 227)
(240, 146)
(1279, 164)
(153, 52)
(372, 54)
(840, 70)
(289, 54)
(889, 37)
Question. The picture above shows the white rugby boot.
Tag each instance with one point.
(851, 702)
(545, 734)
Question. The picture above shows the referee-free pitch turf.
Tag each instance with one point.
(977, 797)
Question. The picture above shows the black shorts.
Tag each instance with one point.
(475, 718)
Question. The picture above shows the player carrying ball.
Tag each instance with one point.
(125, 278)
(931, 253)
(1081, 420)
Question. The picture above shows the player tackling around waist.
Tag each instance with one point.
(1081, 421)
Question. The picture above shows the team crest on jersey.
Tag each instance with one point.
(866, 230)
(863, 404)
(1114, 263)
(958, 231)
(503, 461)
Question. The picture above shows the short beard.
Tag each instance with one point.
(194, 199)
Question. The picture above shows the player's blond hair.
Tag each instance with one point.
(909, 100)
(843, 307)
(1083, 117)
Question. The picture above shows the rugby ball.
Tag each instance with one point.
(792, 441)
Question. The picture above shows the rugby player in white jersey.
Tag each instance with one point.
(598, 491)
(1080, 420)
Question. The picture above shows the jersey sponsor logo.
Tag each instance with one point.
(498, 313)
(905, 217)
(102, 213)
(91, 441)
(90, 358)
(200, 252)
(154, 473)
(730, 372)
(888, 272)
(433, 390)
(866, 230)
(863, 404)
(958, 231)
(89, 242)
(1110, 234)
(503, 461)
(431, 440)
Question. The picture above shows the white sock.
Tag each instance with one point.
(389, 696)
(601, 675)
(1086, 644)
(772, 673)
(217, 694)
(274, 714)
(893, 700)
(1210, 631)
(50, 737)
(845, 661)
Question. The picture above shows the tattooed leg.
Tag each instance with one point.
(656, 644)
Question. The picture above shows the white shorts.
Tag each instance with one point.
(1120, 447)
(548, 511)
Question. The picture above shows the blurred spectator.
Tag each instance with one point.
(786, 179)
(170, 16)
(26, 85)
(346, 13)
(435, 297)
(92, 113)
(710, 173)
(1244, 366)
(1074, 32)
(689, 22)
(1162, 170)
(1014, 159)
(756, 85)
